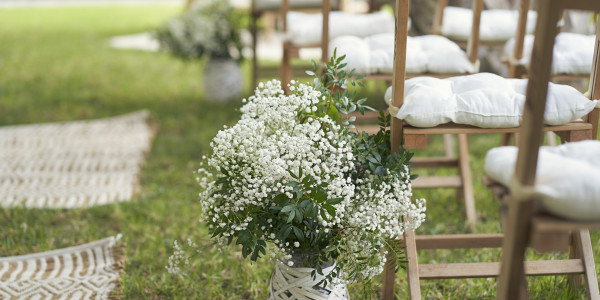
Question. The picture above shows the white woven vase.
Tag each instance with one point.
(296, 283)
(222, 80)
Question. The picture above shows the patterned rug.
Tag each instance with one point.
(89, 271)
(73, 164)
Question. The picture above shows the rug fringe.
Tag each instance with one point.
(117, 250)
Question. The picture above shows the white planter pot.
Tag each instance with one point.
(297, 283)
(222, 80)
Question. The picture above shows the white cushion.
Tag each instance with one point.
(305, 29)
(484, 100)
(573, 53)
(566, 180)
(496, 24)
(424, 54)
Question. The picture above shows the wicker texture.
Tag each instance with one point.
(72, 164)
(296, 283)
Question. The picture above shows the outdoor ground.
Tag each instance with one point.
(56, 65)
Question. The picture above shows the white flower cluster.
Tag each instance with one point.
(380, 203)
(265, 146)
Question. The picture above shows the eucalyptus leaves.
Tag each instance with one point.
(291, 177)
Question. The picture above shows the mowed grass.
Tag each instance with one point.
(56, 65)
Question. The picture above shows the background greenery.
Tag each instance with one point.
(56, 65)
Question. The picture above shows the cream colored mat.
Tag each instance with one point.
(89, 271)
(73, 164)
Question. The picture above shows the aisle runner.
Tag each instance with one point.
(89, 271)
(72, 164)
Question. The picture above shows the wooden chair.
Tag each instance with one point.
(409, 136)
(524, 224)
(279, 8)
(518, 69)
(462, 182)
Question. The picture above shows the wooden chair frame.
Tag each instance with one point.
(517, 70)
(255, 14)
(463, 181)
(519, 216)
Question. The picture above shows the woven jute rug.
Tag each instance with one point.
(73, 164)
(89, 271)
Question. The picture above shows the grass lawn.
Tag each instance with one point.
(56, 65)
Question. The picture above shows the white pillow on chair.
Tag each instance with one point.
(573, 53)
(424, 54)
(305, 29)
(483, 100)
(497, 25)
(566, 180)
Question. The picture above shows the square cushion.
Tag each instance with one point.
(573, 53)
(497, 25)
(424, 54)
(484, 100)
(566, 181)
(305, 29)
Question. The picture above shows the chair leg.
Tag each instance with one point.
(506, 139)
(583, 249)
(412, 265)
(448, 145)
(286, 69)
(389, 277)
(253, 32)
(465, 174)
(516, 236)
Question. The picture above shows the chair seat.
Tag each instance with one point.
(272, 5)
(566, 180)
(573, 53)
(497, 25)
(425, 54)
(305, 29)
(484, 100)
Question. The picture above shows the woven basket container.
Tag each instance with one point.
(296, 283)
(222, 80)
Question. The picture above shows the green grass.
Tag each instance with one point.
(56, 65)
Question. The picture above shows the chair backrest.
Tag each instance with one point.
(473, 42)
(537, 87)
(325, 9)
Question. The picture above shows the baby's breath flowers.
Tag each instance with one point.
(291, 177)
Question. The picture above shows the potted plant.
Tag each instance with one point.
(293, 181)
(209, 28)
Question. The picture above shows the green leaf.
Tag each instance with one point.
(287, 208)
(291, 216)
(335, 201)
(298, 233)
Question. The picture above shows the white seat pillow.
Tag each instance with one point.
(305, 29)
(424, 54)
(497, 25)
(566, 180)
(573, 53)
(483, 100)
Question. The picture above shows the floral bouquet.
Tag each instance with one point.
(208, 27)
(294, 180)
